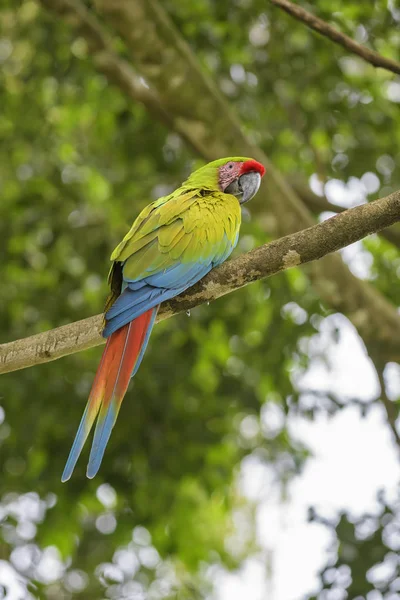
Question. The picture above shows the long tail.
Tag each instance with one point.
(120, 360)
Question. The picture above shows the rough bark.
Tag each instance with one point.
(318, 204)
(293, 250)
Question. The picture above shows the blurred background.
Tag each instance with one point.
(257, 451)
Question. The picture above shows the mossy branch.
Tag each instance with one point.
(296, 249)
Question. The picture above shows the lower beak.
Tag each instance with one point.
(249, 184)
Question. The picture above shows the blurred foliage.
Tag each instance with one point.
(364, 553)
(77, 163)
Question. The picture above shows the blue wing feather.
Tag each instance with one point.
(158, 288)
(139, 296)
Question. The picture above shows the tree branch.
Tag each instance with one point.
(336, 36)
(319, 204)
(293, 250)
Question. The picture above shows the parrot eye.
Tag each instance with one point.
(230, 166)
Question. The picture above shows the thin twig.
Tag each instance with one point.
(391, 410)
(336, 36)
(293, 250)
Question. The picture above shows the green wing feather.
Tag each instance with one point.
(187, 226)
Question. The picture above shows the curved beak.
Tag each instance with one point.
(250, 184)
(245, 187)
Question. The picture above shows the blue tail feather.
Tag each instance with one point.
(105, 425)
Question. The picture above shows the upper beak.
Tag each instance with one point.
(250, 184)
(245, 187)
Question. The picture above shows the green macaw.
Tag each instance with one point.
(174, 242)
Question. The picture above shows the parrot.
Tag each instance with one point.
(173, 243)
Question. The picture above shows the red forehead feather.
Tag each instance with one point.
(252, 165)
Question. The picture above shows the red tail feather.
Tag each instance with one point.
(122, 354)
(126, 349)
